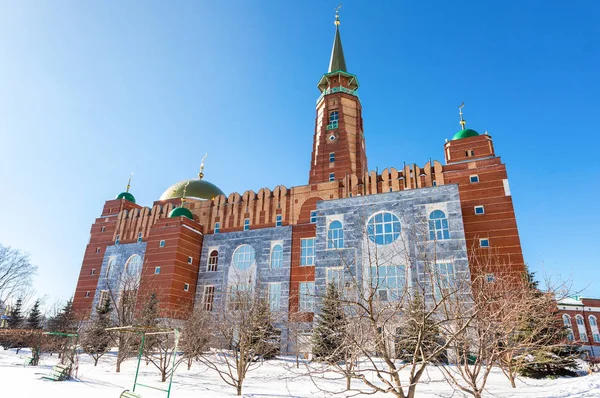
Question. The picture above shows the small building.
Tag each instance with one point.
(581, 315)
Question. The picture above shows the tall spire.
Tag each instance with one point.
(337, 61)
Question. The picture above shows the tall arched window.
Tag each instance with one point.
(110, 268)
(335, 235)
(594, 324)
(383, 228)
(277, 256)
(333, 120)
(567, 323)
(438, 226)
(133, 266)
(243, 257)
(213, 261)
(581, 328)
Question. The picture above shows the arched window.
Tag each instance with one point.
(567, 323)
(567, 320)
(243, 257)
(333, 120)
(335, 235)
(213, 260)
(110, 268)
(383, 228)
(277, 256)
(133, 266)
(438, 226)
(593, 321)
(579, 319)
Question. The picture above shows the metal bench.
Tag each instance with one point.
(129, 394)
(59, 373)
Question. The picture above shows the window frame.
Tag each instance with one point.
(305, 257)
(217, 227)
(439, 227)
(246, 224)
(140, 237)
(331, 157)
(157, 270)
(278, 220)
(477, 212)
(279, 260)
(117, 239)
(274, 299)
(372, 228)
(474, 178)
(306, 297)
(186, 287)
(208, 298)
(331, 177)
(190, 260)
(93, 271)
(210, 264)
(87, 294)
(482, 240)
(242, 257)
(313, 216)
(162, 243)
(335, 236)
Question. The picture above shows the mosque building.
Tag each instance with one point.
(195, 243)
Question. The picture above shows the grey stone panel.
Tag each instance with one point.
(121, 253)
(260, 240)
(412, 208)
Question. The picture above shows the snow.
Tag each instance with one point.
(274, 379)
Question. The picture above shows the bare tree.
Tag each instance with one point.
(195, 336)
(240, 335)
(401, 290)
(16, 272)
(121, 289)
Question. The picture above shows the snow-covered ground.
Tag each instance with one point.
(273, 379)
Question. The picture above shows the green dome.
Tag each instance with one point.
(465, 133)
(126, 196)
(199, 189)
(181, 212)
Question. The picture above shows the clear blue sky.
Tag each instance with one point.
(90, 91)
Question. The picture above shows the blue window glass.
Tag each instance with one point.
(217, 227)
(474, 178)
(331, 176)
(117, 239)
(274, 296)
(335, 235)
(277, 256)
(332, 157)
(243, 257)
(333, 120)
(246, 224)
(307, 251)
(313, 216)
(388, 281)
(306, 301)
(133, 266)
(479, 210)
(444, 279)
(278, 221)
(139, 237)
(438, 226)
(484, 243)
(383, 228)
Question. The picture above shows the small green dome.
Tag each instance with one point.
(181, 212)
(465, 133)
(126, 196)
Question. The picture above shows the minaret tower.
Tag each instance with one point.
(339, 143)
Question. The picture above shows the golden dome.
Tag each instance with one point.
(197, 189)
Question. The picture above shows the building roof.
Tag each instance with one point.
(181, 212)
(465, 133)
(127, 196)
(196, 188)
(337, 61)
